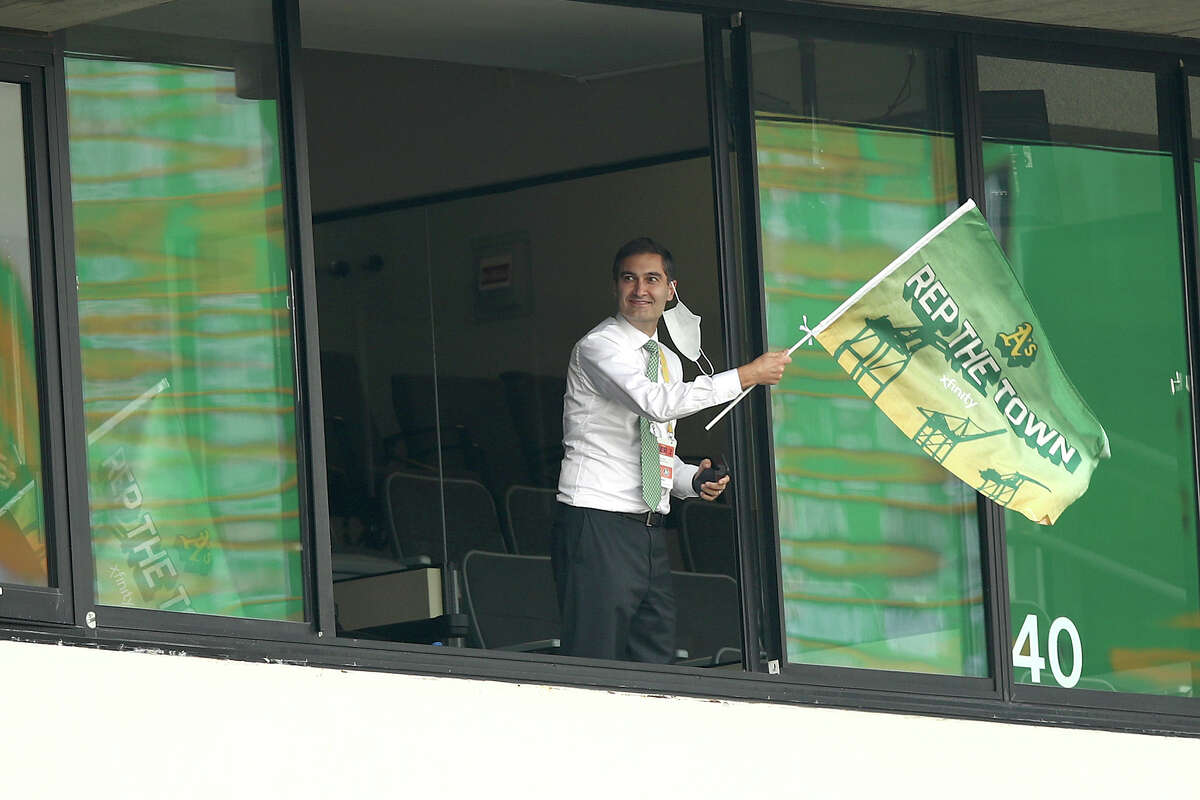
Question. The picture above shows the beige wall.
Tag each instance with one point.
(91, 723)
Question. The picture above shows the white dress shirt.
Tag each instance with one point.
(607, 391)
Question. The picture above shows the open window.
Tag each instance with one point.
(473, 171)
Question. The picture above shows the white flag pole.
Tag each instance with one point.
(133, 405)
(808, 335)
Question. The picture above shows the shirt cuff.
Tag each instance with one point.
(727, 385)
(684, 473)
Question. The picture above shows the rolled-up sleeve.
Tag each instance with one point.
(621, 376)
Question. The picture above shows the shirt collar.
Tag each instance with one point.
(636, 338)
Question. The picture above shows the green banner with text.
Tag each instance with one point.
(945, 342)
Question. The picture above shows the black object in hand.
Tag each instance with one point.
(710, 474)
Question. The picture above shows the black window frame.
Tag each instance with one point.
(765, 499)
(78, 620)
(27, 62)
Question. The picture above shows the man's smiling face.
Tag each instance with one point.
(643, 290)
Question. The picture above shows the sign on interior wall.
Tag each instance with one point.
(503, 276)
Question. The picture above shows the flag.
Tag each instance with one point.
(946, 343)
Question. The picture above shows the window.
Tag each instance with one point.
(1082, 195)
(185, 322)
(879, 546)
(473, 182)
(25, 552)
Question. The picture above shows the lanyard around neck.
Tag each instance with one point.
(666, 378)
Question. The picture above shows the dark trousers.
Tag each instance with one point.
(613, 576)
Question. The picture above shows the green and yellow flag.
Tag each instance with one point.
(945, 342)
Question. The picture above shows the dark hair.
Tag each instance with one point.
(643, 245)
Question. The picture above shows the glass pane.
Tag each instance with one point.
(1082, 197)
(22, 532)
(183, 309)
(379, 402)
(879, 545)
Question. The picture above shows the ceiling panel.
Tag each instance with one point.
(570, 38)
(576, 39)
(1170, 17)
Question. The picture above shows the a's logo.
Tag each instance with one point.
(198, 551)
(1018, 347)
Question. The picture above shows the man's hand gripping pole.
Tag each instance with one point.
(807, 337)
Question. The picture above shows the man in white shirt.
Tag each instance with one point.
(624, 393)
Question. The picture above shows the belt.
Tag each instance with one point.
(651, 519)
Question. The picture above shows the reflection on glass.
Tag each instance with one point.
(185, 339)
(380, 414)
(879, 545)
(22, 532)
(1083, 200)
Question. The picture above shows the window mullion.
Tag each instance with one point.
(314, 496)
(1175, 95)
(991, 517)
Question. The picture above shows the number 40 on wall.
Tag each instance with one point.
(1028, 639)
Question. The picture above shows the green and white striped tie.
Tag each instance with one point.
(651, 477)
